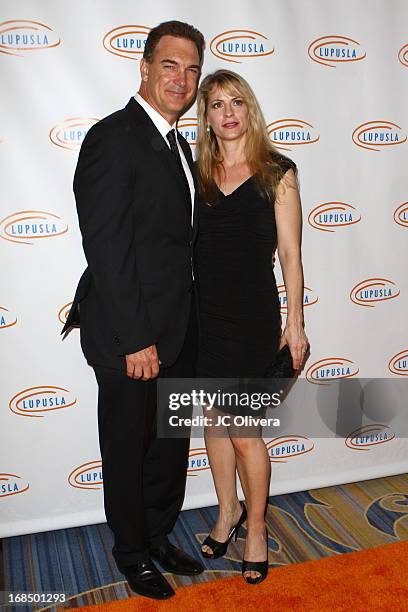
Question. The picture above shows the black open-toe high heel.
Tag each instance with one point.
(220, 548)
(256, 566)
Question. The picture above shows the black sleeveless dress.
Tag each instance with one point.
(240, 322)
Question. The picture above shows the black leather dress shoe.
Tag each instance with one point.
(144, 578)
(176, 561)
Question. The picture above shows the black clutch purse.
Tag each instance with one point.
(282, 367)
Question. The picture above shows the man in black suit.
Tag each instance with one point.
(134, 189)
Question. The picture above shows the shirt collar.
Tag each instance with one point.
(160, 122)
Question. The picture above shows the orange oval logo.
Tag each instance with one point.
(371, 291)
(286, 447)
(19, 36)
(238, 45)
(309, 297)
(401, 215)
(64, 312)
(403, 55)
(87, 476)
(126, 41)
(11, 484)
(27, 226)
(375, 135)
(188, 127)
(368, 436)
(197, 461)
(333, 50)
(35, 401)
(330, 216)
(399, 363)
(332, 368)
(70, 133)
(288, 133)
(7, 319)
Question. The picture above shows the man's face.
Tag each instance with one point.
(169, 82)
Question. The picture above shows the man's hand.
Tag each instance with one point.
(144, 364)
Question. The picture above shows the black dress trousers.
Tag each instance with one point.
(144, 476)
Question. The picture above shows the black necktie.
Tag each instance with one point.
(171, 137)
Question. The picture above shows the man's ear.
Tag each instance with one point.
(144, 69)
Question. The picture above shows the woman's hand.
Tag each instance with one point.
(294, 336)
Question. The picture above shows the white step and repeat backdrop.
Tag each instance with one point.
(332, 78)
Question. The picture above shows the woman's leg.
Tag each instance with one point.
(221, 455)
(254, 471)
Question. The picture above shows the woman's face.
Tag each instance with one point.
(227, 114)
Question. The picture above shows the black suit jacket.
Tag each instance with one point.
(137, 238)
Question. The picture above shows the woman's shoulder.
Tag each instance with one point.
(284, 162)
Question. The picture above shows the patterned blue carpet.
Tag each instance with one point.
(302, 526)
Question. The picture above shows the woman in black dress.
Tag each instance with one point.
(249, 206)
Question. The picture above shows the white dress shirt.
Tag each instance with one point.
(164, 127)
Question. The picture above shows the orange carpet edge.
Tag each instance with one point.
(339, 582)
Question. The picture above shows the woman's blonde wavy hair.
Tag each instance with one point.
(262, 157)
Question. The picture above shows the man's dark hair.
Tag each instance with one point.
(177, 29)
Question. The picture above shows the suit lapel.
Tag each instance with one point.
(187, 152)
(155, 142)
(195, 218)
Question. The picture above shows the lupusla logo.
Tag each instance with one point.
(333, 50)
(36, 401)
(401, 215)
(332, 368)
(309, 297)
(7, 319)
(403, 55)
(70, 133)
(27, 226)
(11, 484)
(188, 126)
(126, 41)
(399, 363)
(21, 35)
(64, 312)
(238, 45)
(288, 133)
(330, 216)
(365, 438)
(197, 461)
(371, 291)
(87, 476)
(286, 447)
(375, 135)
